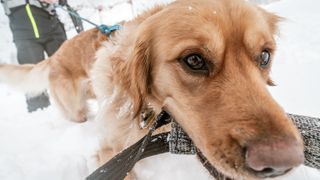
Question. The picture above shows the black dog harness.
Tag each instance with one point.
(177, 142)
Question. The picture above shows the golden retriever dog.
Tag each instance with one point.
(206, 62)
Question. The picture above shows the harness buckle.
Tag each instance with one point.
(147, 116)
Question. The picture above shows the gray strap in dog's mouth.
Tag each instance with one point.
(178, 142)
(309, 127)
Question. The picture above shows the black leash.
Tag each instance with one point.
(77, 22)
(118, 167)
(74, 15)
(107, 30)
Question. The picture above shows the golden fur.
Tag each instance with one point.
(222, 112)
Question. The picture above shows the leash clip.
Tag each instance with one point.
(108, 29)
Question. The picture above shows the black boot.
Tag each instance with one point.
(38, 102)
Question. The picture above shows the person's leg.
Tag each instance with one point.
(55, 40)
(31, 52)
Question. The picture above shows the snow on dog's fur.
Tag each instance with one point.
(204, 61)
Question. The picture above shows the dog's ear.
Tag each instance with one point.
(139, 69)
(272, 20)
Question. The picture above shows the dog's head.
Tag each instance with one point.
(207, 62)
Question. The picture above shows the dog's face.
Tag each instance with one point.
(207, 62)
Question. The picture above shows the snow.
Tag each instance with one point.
(296, 67)
(43, 145)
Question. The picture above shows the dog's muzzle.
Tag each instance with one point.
(178, 142)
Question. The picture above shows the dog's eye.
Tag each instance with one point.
(196, 63)
(264, 58)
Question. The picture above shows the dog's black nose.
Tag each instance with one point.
(271, 158)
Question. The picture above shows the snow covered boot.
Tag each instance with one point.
(38, 102)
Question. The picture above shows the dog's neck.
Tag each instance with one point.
(118, 116)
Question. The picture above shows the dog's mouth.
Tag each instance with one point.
(211, 169)
(181, 143)
(265, 173)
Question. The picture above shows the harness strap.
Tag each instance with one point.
(119, 166)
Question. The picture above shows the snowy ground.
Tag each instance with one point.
(43, 145)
